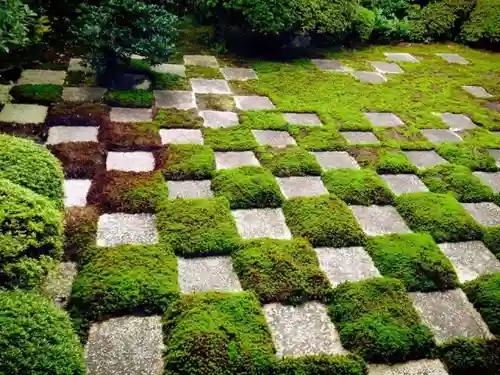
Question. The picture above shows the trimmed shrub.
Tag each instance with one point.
(289, 161)
(129, 98)
(80, 159)
(177, 118)
(471, 356)
(322, 364)
(189, 162)
(119, 136)
(37, 337)
(483, 26)
(236, 138)
(467, 154)
(70, 114)
(484, 293)
(38, 94)
(80, 230)
(318, 138)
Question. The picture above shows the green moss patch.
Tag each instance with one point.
(80, 230)
(80, 78)
(169, 81)
(469, 155)
(484, 293)
(119, 136)
(215, 102)
(394, 162)
(89, 114)
(177, 118)
(289, 161)
(235, 138)
(491, 238)
(80, 159)
(129, 98)
(403, 137)
(482, 138)
(193, 71)
(318, 138)
(322, 364)
(189, 162)
(37, 94)
(471, 356)
(263, 120)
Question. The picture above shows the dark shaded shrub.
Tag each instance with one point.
(483, 26)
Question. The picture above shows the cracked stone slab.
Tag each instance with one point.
(360, 137)
(477, 91)
(485, 213)
(39, 76)
(440, 135)
(330, 65)
(457, 121)
(273, 138)
(420, 367)
(309, 119)
(424, 159)
(118, 114)
(137, 161)
(404, 183)
(23, 113)
(238, 74)
(227, 160)
(450, 315)
(369, 77)
(261, 223)
(83, 94)
(59, 283)
(128, 345)
(75, 192)
(302, 330)
(210, 86)
(400, 57)
(177, 69)
(65, 134)
(491, 179)
(346, 264)
(379, 220)
(335, 159)
(308, 186)
(78, 65)
(181, 136)
(453, 58)
(493, 152)
(189, 189)
(175, 99)
(246, 103)
(126, 229)
(4, 93)
(201, 60)
(219, 119)
(383, 119)
(207, 273)
(386, 67)
(471, 259)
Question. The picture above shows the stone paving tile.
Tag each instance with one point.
(453, 58)
(38, 76)
(477, 91)
(493, 152)
(77, 65)
(261, 223)
(420, 367)
(302, 330)
(273, 138)
(175, 99)
(58, 284)
(75, 192)
(126, 229)
(457, 121)
(118, 114)
(227, 160)
(346, 264)
(491, 179)
(210, 86)
(440, 135)
(449, 315)
(308, 186)
(379, 220)
(360, 137)
(4, 93)
(404, 183)
(207, 273)
(424, 159)
(383, 119)
(485, 213)
(201, 60)
(189, 189)
(330, 65)
(128, 345)
(181, 136)
(63, 134)
(335, 159)
(238, 74)
(386, 67)
(369, 77)
(471, 259)
(137, 161)
(219, 119)
(310, 119)
(177, 69)
(23, 113)
(400, 57)
(83, 94)
(246, 103)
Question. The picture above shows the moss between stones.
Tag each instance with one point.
(177, 118)
(469, 155)
(205, 72)
(235, 138)
(484, 293)
(37, 94)
(80, 78)
(322, 364)
(189, 162)
(491, 238)
(119, 136)
(169, 81)
(129, 98)
(403, 137)
(80, 230)
(482, 138)
(80, 159)
(471, 356)
(263, 120)
(289, 161)
(89, 114)
(394, 162)
(318, 138)
(215, 102)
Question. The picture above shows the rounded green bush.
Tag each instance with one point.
(484, 23)
(36, 337)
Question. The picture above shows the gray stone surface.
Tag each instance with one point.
(59, 282)
(491, 179)
(210, 86)
(219, 119)
(77, 65)
(330, 65)
(75, 192)
(440, 135)
(201, 60)
(308, 186)
(189, 189)
(273, 138)
(485, 213)
(477, 91)
(126, 229)
(404, 183)
(227, 160)
(424, 159)
(261, 223)
(38, 76)
(177, 69)
(453, 58)
(493, 152)
(83, 94)
(207, 273)
(175, 99)
(310, 119)
(400, 57)
(449, 315)
(238, 74)
(302, 330)
(379, 220)
(63, 134)
(118, 114)
(181, 136)
(421, 367)
(346, 264)
(360, 137)
(4, 93)
(23, 113)
(457, 121)
(246, 103)
(137, 161)
(128, 345)
(383, 119)
(369, 77)
(386, 67)
(335, 159)
(471, 259)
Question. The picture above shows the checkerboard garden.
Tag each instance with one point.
(328, 216)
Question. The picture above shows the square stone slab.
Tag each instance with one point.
(453, 58)
(207, 273)
(310, 119)
(449, 315)
(330, 65)
(261, 223)
(477, 91)
(335, 159)
(131, 114)
(227, 160)
(421, 367)
(386, 67)
(77, 65)
(471, 259)
(36, 76)
(201, 60)
(219, 119)
(4, 93)
(370, 77)
(246, 103)
(302, 330)
(346, 264)
(404, 183)
(64, 134)
(383, 119)
(457, 121)
(210, 86)
(493, 152)
(424, 159)
(485, 213)
(126, 229)
(301, 186)
(128, 345)
(189, 189)
(400, 57)
(175, 99)
(379, 220)
(360, 137)
(23, 113)
(238, 74)
(83, 94)
(273, 138)
(181, 136)
(440, 135)
(59, 283)
(491, 179)
(75, 192)
(137, 161)
(177, 69)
